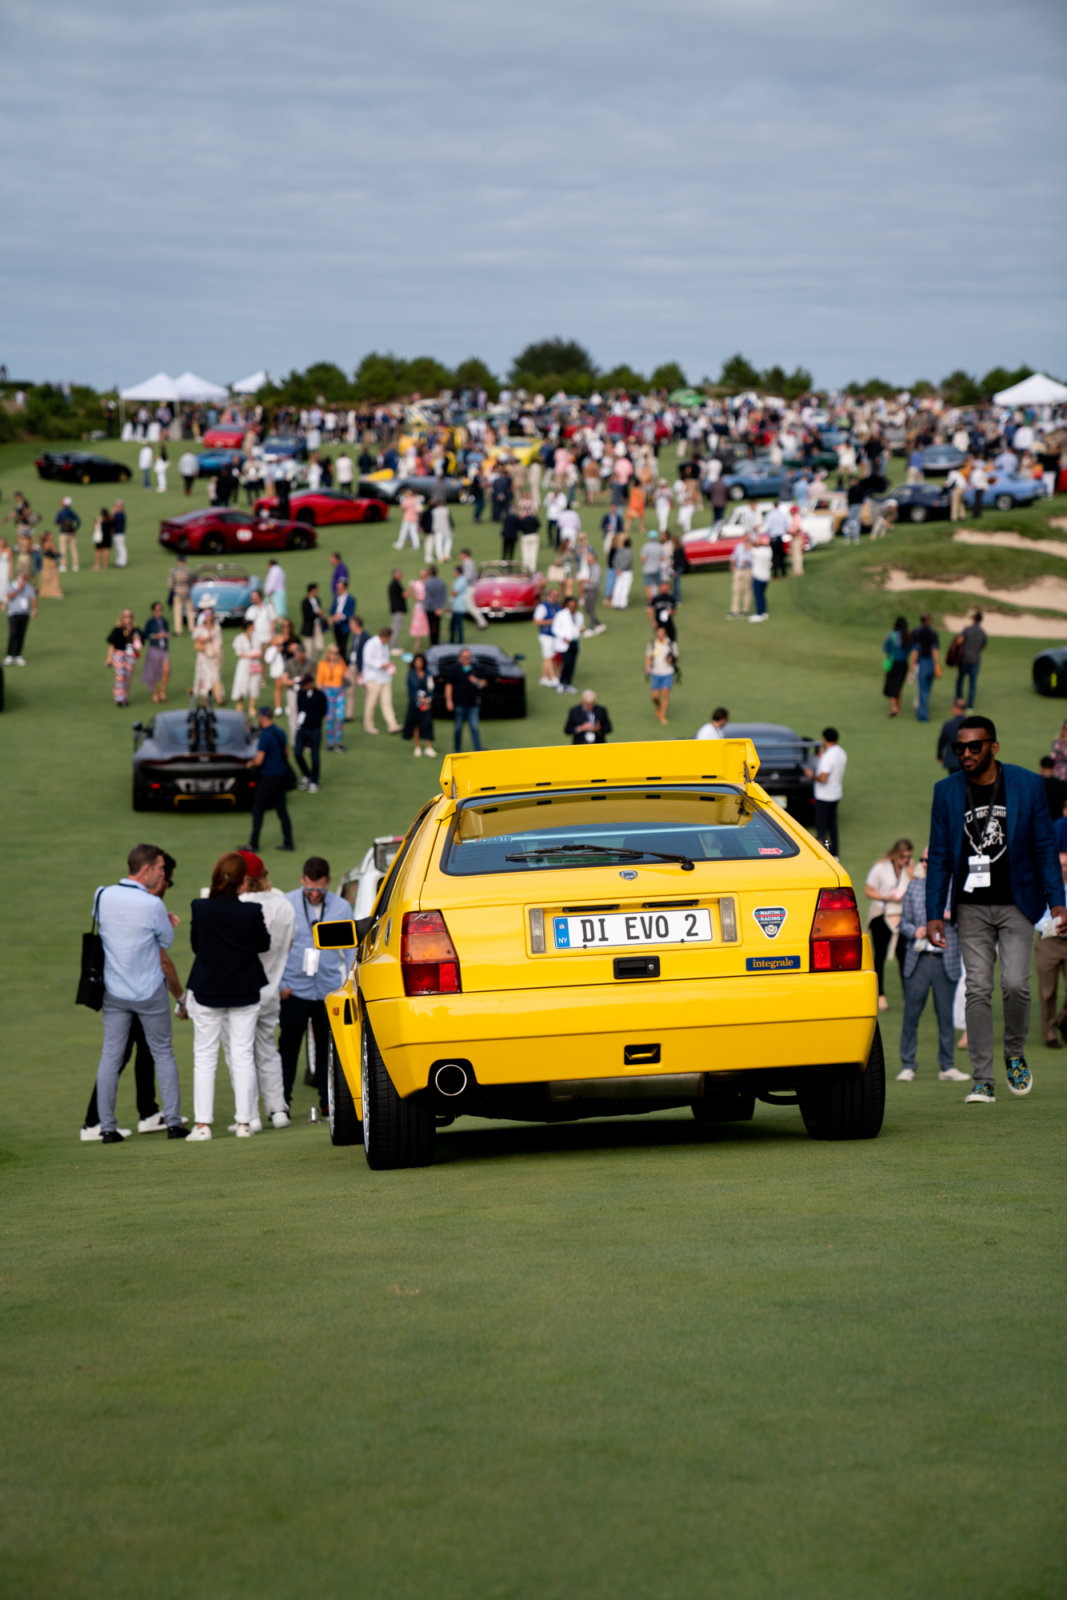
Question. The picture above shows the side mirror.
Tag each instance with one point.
(519, 657)
(138, 727)
(342, 934)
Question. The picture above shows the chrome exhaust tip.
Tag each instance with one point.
(450, 1079)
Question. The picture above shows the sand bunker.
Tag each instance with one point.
(999, 625)
(1048, 593)
(1014, 541)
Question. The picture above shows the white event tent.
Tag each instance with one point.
(1036, 390)
(160, 387)
(191, 387)
(251, 385)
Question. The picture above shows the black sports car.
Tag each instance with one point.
(783, 756)
(1050, 671)
(390, 489)
(193, 757)
(504, 694)
(78, 466)
(919, 502)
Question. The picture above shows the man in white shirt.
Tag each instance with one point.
(280, 918)
(145, 457)
(261, 614)
(569, 524)
(188, 467)
(761, 576)
(715, 729)
(344, 470)
(740, 579)
(567, 627)
(829, 776)
(377, 681)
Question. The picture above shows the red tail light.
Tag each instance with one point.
(836, 935)
(428, 957)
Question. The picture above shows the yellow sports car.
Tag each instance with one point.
(597, 930)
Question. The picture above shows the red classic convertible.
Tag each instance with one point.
(210, 533)
(507, 589)
(224, 436)
(321, 507)
(701, 550)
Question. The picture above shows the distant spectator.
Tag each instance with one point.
(946, 755)
(587, 722)
(123, 648)
(896, 649)
(715, 728)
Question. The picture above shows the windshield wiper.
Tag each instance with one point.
(620, 854)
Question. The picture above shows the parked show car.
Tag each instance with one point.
(281, 447)
(224, 435)
(598, 930)
(941, 459)
(757, 480)
(226, 586)
(783, 757)
(194, 757)
(212, 532)
(507, 589)
(360, 886)
(1050, 671)
(324, 507)
(80, 466)
(1006, 490)
(209, 463)
(387, 486)
(917, 502)
(505, 692)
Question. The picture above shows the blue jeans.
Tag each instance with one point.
(472, 717)
(929, 974)
(926, 682)
(759, 589)
(455, 628)
(968, 675)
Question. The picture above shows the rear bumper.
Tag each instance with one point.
(724, 1025)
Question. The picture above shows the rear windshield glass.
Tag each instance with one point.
(584, 828)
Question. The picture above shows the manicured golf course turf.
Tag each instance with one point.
(612, 1359)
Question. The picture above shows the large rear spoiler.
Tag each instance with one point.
(669, 761)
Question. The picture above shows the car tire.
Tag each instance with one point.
(305, 514)
(140, 796)
(374, 515)
(213, 544)
(724, 1103)
(298, 541)
(1004, 502)
(849, 1102)
(736, 492)
(520, 708)
(917, 513)
(1048, 679)
(345, 1126)
(396, 1132)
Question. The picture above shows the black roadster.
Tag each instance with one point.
(78, 466)
(193, 758)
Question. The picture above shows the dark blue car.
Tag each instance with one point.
(209, 463)
(757, 480)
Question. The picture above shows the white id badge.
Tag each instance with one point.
(978, 877)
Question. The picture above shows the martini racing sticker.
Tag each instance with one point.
(770, 919)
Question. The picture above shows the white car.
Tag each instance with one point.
(817, 522)
(360, 886)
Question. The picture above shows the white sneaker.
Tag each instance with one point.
(91, 1135)
(907, 1075)
(256, 1126)
(197, 1135)
(20, 661)
(304, 782)
(154, 1124)
(9, 661)
(429, 751)
(244, 1131)
(313, 788)
(954, 1075)
(416, 752)
(281, 1119)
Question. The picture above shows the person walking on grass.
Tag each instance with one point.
(228, 935)
(829, 777)
(973, 641)
(993, 868)
(68, 522)
(21, 607)
(885, 888)
(377, 681)
(271, 763)
(136, 929)
(179, 580)
(927, 968)
(761, 577)
(896, 649)
(418, 723)
(661, 660)
(123, 649)
(926, 659)
(463, 698)
(740, 579)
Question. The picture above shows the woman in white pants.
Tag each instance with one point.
(223, 993)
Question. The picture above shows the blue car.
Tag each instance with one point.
(209, 463)
(227, 586)
(940, 460)
(1007, 491)
(757, 480)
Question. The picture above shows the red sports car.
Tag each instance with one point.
(210, 533)
(224, 436)
(325, 506)
(701, 550)
(507, 589)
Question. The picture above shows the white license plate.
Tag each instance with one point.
(631, 927)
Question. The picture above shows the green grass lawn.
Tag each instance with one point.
(609, 1359)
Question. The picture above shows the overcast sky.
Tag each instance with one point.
(859, 189)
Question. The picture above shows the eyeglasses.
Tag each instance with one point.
(961, 746)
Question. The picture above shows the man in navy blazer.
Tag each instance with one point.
(992, 869)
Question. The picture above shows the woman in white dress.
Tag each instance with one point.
(161, 470)
(207, 645)
(249, 674)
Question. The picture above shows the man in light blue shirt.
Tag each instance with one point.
(135, 927)
(303, 992)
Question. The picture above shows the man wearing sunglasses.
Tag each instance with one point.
(992, 870)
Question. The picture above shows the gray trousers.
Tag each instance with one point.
(929, 974)
(986, 932)
(155, 1019)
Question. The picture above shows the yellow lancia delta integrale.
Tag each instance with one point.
(598, 930)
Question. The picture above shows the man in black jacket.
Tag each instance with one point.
(587, 722)
(311, 708)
